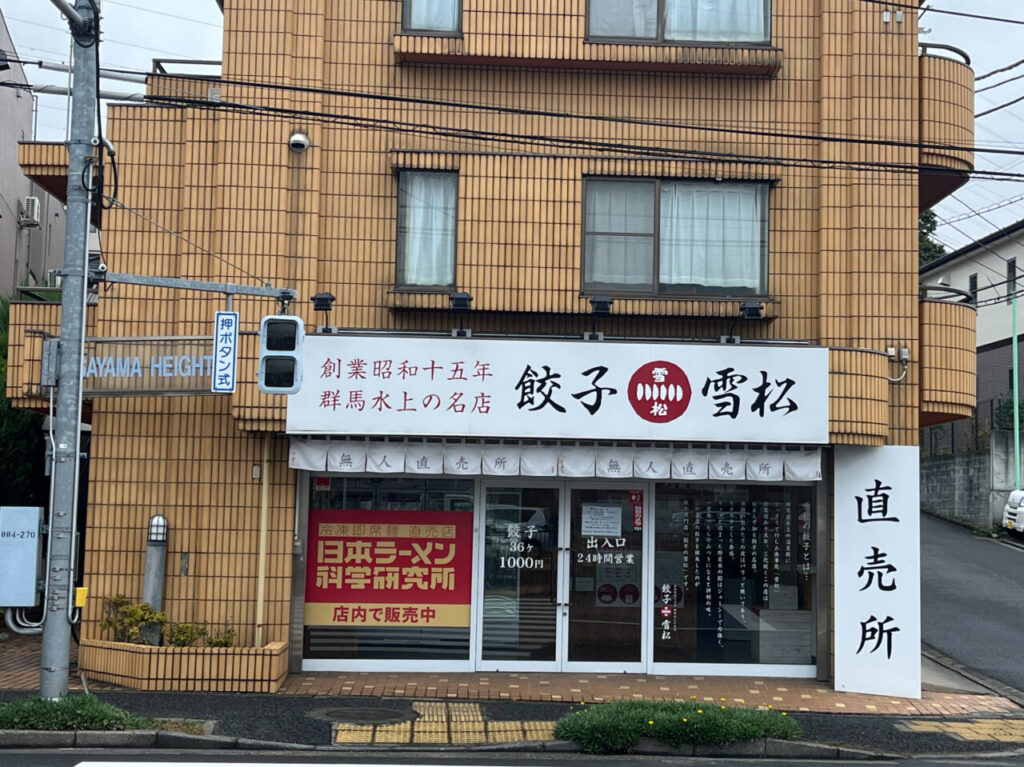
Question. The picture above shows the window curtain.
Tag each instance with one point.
(439, 15)
(712, 235)
(427, 229)
(620, 234)
(725, 21)
(624, 18)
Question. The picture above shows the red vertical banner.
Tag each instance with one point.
(384, 568)
(636, 500)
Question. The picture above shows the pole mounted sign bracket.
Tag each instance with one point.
(284, 295)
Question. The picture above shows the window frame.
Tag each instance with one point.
(407, 27)
(1011, 279)
(657, 290)
(401, 286)
(659, 38)
(972, 287)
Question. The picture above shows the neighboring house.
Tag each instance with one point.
(627, 358)
(31, 221)
(988, 273)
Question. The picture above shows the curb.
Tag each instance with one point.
(768, 747)
(978, 677)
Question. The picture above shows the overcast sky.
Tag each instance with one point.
(137, 31)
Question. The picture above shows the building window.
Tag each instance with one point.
(426, 229)
(972, 288)
(431, 15)
(680, 21)
(1011, 279)
(675, 237)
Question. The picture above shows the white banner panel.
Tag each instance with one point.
(307, 455)
(877, 571)
(471, 387)
(424, 459)
(462, 460)
(652, 464)
(500, 460)
(765, 465)
(347, 457)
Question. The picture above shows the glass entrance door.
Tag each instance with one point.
(562, 578)
(605, 548)
(520, 576)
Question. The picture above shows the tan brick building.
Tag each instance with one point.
(654, 482)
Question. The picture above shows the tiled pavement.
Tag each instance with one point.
(19, 670)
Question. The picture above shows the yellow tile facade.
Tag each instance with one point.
(524, 107)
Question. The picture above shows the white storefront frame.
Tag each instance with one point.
(565, 487)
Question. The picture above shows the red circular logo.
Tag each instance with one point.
(659, 392)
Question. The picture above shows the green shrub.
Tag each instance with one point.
(73, 712)
(224, 638)
(615, 728)
(184, 634)
(128, 619)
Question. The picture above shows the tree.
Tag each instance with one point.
(927, 249)
(22, 480)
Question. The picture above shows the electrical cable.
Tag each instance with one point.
(522, 111)
(996, 109)
(183, 238)
(996, 85)
(933, 9)
(1014, 65)
(631, 150)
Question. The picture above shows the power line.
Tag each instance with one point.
(988, 209)
(1014, 65)
(523, 111)
(996, 85)
(632, 150)
(933, 9)
(118, 204)
(106, 40)
(163, 13)
(1001, 106)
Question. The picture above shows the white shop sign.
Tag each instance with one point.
(877, 571)
(561, 389)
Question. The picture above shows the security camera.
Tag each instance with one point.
(299, 142)
(102, 268)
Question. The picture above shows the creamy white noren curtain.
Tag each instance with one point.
(426, 228)
(438, 15)
(723, 21)
(624, 18)
(619, 234)
(711, 235)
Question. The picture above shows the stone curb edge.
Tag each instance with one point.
(771, 748)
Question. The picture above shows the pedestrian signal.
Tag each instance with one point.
(280, 370)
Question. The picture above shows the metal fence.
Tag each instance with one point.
(968, 434)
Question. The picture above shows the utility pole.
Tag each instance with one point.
(53, 675)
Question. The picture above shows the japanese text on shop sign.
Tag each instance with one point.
(372, 567)
(510, 388)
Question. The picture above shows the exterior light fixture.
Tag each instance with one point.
(460, 302)
(323, 302)
(601, 305)
(751, 310)
(157, 532)
(4, 64)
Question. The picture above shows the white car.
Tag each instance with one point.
(1013, 512)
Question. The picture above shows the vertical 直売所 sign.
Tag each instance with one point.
(225, 352)
(403, 569)
(877, 568)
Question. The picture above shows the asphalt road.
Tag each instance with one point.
(972, 599)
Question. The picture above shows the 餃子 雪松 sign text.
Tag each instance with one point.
(561, 389)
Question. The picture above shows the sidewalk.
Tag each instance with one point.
(954, 713)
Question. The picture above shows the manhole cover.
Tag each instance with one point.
(362, 715)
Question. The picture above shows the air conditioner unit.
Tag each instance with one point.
(28, 213)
